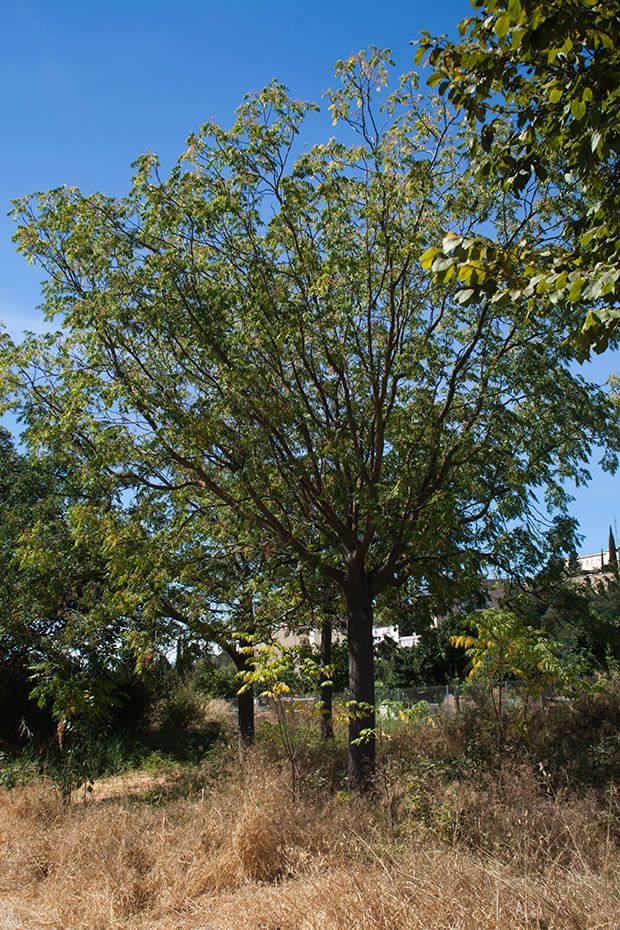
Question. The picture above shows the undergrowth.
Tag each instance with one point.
(454, 835)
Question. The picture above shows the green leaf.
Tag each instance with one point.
(578, 109)
(552, 71)
(502, 25)
(574, 293)
(428, 257)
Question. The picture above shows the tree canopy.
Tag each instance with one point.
(254, 337)
(58, 631)
(539, 82)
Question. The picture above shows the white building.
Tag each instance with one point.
(379, 633)
(594, 561)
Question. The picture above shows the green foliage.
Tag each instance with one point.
(503, 647)
(393, 664)
(251, 352)
(272, 667)
(339, 666)
(281, 670)
(18, 769)
(396, 710)
(216, 679)
(65, 633)
(55, 636)
(574, 565)
(581, 612)
(578, 741)
(539, 81)
(179, 707)
(434, 661)
(600, 633)
(207, 438)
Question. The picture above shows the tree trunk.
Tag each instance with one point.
(245, 719)
(245, 704)
(361, 681)
(327, 729)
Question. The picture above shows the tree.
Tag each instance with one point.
(539, 81)
(436, 660)
(256, 336)
(602, 634)
(59, 632)
(503, 647)
(578, 610)
(613, 552)
(25, 496)
(586, 620)
(573, 564)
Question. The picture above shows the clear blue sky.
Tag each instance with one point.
(88, 87)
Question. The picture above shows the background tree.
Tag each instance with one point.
(603, 632)
(573, 564)
(61, 634)
(257, 335)
(502, 647)
(25, 496)
(580, 612)
(193, 585)
(613, 552)
(323, 613)
(435, 660)
(539, 82)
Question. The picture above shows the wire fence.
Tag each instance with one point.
(446, 697)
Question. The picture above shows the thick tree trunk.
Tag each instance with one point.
(361, 681)
(245, 718)
(327, 729)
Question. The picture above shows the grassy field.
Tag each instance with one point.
(454, 836)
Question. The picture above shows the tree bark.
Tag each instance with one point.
(361, 680)
(245, 719)
(327, 729)
(245, 704)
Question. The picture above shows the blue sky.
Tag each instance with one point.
(88, 87)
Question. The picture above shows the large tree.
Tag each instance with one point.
(255, 333)
(539, 82)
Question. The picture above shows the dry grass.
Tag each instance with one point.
(497, 851)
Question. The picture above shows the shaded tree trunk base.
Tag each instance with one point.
(362, 750)
(327, 691)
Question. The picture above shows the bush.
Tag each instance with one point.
(180, 707)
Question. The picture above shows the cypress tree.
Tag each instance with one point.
(613, 553)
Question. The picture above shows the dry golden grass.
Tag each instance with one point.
(498, 853)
